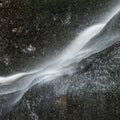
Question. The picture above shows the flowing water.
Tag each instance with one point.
(63, 64)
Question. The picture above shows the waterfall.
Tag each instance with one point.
(62, 64)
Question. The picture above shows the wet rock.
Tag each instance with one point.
(48, 26)
(92, 93)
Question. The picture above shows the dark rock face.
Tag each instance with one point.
(35, 30)
(84, 99)
(92, 93)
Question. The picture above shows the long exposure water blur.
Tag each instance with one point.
(59, 60)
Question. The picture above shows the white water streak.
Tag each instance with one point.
(60, 66)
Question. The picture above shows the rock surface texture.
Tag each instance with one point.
(91, 93)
